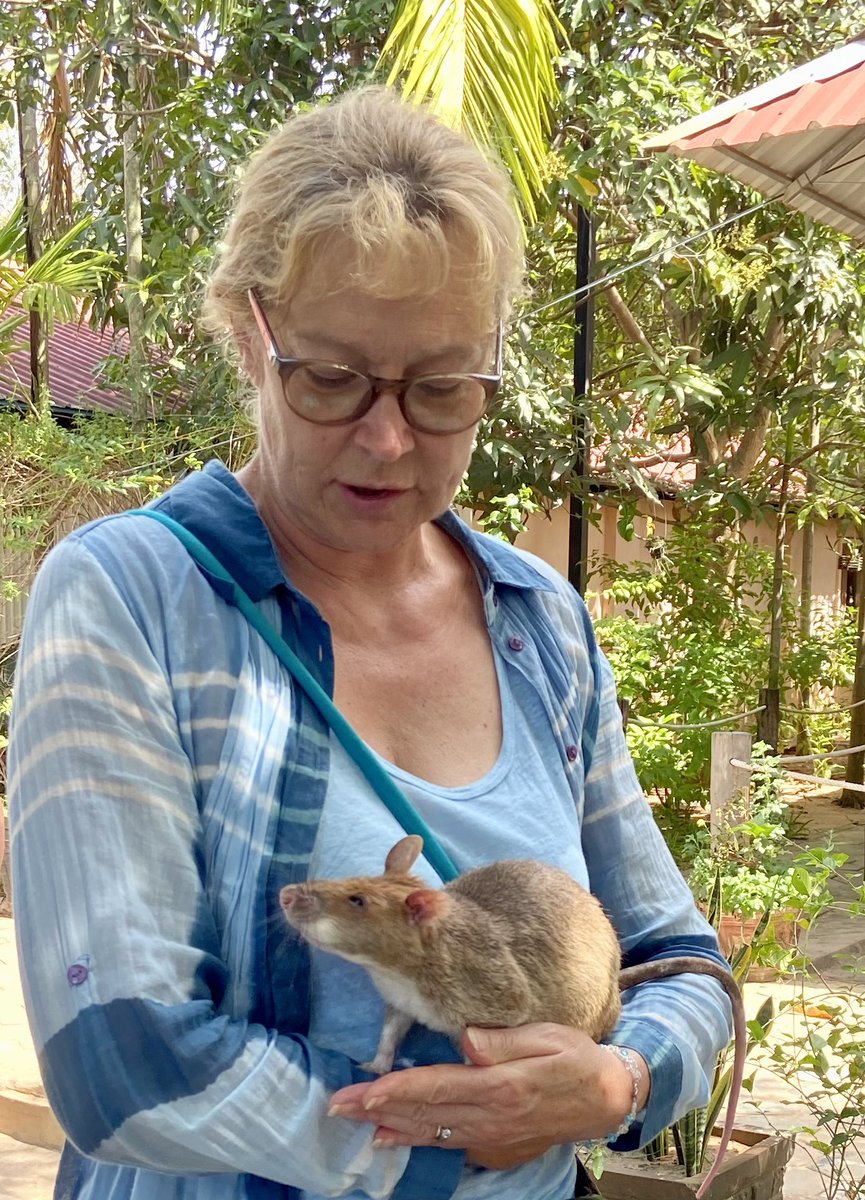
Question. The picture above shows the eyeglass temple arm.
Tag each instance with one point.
(262, 323)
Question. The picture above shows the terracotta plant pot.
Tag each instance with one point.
(753, 1169)
(735, 931)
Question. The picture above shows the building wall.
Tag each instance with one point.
(548, 538)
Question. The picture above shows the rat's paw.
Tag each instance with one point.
(378, 1066)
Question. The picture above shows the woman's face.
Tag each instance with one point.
(370, 485)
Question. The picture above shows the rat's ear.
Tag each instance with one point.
(425, 906)
(403, 855)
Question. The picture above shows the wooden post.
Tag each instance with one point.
(769, 720)
(730, 787)
(624, 709)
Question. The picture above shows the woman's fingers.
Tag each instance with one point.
(537, 1085)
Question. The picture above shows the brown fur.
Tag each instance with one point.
(508, 944)
(476, 954)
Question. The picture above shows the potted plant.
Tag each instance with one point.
(673, 1166)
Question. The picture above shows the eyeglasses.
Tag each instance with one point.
(328, 393)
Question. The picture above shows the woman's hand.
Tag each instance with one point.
(526, 1089)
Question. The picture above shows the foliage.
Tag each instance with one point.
(807, 891)
(720, 341)
(688, 648)
(821, 1055)
(52, 478)
(452, 54)
(506, 515)
(826, 658)
(691, 1134)
(52, 284)
(685, 341)
(525, 446)
(751, 860)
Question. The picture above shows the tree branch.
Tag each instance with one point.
(752, 445)
(628, 323)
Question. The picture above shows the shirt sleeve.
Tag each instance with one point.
(120, 953)
(681, 1024)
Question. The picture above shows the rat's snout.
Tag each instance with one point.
(298, 903)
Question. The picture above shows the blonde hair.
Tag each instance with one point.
(406, 189)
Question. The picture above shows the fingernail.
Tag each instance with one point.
(381, 1143)
(336, 1110)
(474, 1037)
(373, 1102)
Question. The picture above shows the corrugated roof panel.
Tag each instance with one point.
(799, 139)
(74, 355)
(828, 66)
(830, 103)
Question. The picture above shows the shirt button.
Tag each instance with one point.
(76, 974)
(516, 643)
(572, 753)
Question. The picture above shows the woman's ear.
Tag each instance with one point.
(252, 355)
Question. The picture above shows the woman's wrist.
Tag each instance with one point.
(635, 1092)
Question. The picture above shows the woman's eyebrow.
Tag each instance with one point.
(344, 352)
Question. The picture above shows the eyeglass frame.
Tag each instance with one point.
(377, 385)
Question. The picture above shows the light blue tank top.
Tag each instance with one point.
(522, 808)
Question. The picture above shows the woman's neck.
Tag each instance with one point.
(317, 568)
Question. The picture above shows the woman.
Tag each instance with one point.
(174, 777)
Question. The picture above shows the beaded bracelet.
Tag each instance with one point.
(629, 1059)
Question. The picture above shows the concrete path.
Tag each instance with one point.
(30, 1137)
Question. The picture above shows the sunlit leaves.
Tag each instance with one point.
(487, 67)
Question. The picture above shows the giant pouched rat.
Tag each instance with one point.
(508, 944)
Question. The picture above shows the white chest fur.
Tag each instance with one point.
(404, 995)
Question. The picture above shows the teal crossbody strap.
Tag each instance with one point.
(373, 772)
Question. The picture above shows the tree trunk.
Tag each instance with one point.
(130, 103)
(856, 762)
(803, 740)
(31, 192)
(776, 629)
(134, 265)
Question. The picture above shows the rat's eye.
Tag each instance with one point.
(357, 900)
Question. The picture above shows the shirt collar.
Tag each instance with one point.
(221, 513)
(498, 560)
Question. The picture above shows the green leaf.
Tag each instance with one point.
(486, 67)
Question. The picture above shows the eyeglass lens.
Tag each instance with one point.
(330, 394)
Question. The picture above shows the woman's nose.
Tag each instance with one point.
(383, 431)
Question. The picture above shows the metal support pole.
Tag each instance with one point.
(584, 334)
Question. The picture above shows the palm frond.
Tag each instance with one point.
(12, 234)
(485, 66)
(62, 275)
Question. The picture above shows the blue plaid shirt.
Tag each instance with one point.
(167, 779)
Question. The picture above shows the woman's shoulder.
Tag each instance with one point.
(121, 545)
(525, 572)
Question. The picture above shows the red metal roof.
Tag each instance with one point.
(74, 356)
(799, 139)
(823, 104)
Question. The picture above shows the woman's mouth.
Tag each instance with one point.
(368, 498)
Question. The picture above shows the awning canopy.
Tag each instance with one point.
(799, 139)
